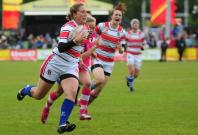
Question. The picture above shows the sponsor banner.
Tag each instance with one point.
(43, 54)
(23, 54)
(189, 54)
(4, 54)
(172, 54)
(151, 54)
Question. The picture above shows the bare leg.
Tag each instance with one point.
(85, 79)
(37, 92)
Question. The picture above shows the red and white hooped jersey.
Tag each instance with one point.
(73, 54)
(110, 38)
(135, 42)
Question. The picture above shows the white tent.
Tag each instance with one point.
(61, 7)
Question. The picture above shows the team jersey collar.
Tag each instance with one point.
(131, 31)
(75, 23)
(109, 23)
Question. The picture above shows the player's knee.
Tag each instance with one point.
(39, 97)
(71, 97)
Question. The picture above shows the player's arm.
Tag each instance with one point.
(62, 47)
(87, 54)
(91, 52)
(143, 42)
(99, 29)
(64, 44)
(122, 44)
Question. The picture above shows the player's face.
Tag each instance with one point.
(92, 26)
(117, 17)
(136, 25)
(81, 15)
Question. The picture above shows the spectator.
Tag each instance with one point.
(181, 45)
(163, 46)
(178, 28)
(48, 40)
(151, 41)
(30, 39)
(3, 42)
(39, 42)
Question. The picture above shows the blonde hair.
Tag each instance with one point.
(73, 10)
(90, 19)
(134, 20)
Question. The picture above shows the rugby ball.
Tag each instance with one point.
(79, 30)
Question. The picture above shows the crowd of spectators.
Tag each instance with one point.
(18, 40)
(179, 37)
(155, 37)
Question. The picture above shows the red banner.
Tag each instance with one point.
(10, 19)
(11, 14)
(23, 54)
(158, 11)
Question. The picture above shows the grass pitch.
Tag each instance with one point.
(165, 102)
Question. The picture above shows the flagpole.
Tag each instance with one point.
(168, 17)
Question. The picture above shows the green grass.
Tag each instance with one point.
(165, 102)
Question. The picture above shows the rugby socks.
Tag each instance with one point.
(84, 100)
(27, 90)
(52, 97)
(66, 110)
(130, 80)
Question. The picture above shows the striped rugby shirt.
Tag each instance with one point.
(110, 37)
(135, 42)
(73, 54)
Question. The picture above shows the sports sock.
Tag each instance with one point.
(52, 97)
(130, 80)
(27, 90)
(66, 110)
(84, 100)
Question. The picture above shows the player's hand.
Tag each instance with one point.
(79, 38)
(81, 64)
(118, 45)
(94, 55)
(98, 41)
(120, 48)
(142, 48)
